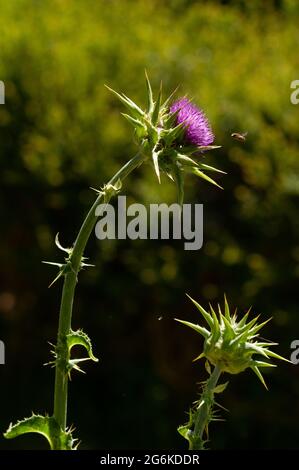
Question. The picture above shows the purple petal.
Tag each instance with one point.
(198, 131)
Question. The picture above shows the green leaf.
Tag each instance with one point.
(167, 101)
(47, 426)
(179, 181)
(226, 309)
(155, 157)
(216, 326)
(259, 375)
(199, 357)
(199, 329)
(204, 313)
(133, 121)
(277, 356)
(243, 320)
(174, 133)
(58, 244)
(220, 388)
(156, 110)
(185, 432)
(184, 160)
(203, 166)
(208, 147)
(202, 175)
(135, 110)
(79, 338)
(208, 367)
(149, 94)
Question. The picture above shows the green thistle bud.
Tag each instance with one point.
(232, 345)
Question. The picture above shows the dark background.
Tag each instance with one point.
(61, 132)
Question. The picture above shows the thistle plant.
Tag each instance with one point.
(172, 136)
(230, 346)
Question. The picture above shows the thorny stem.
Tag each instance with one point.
(203, 411)
(66, 307)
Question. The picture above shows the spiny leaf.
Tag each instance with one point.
(199, 329)
(216, 326)
(156, 110)
(243, 320)
(58, 244)
(258, 373)
(208, 147)
(47, 426)
(203, 166)
(79, 338)
(258, 327)
(199, 357)
(185, 432)
(133, 121)
(149, 94)
(167, 101)
(208, 367)
(179, 180)
(155, 157)
(277, 356)
(204, 313)
(226, 308)
(263, 364)
(135, 110)
(186, 160)
(202, 175)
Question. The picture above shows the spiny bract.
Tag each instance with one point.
(170, 134)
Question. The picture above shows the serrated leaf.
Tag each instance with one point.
(47, 426)
(185, 432)
(79, 338)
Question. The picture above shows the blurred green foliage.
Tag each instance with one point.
(61, 132)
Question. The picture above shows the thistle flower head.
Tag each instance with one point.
(170, 135)
(197, 130)
(233, 345)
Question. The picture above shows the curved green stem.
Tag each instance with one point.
(203, 412)
(70, 280)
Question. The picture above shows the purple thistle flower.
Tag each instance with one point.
(198, 131)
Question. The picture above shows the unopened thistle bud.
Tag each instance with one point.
(232, 345)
